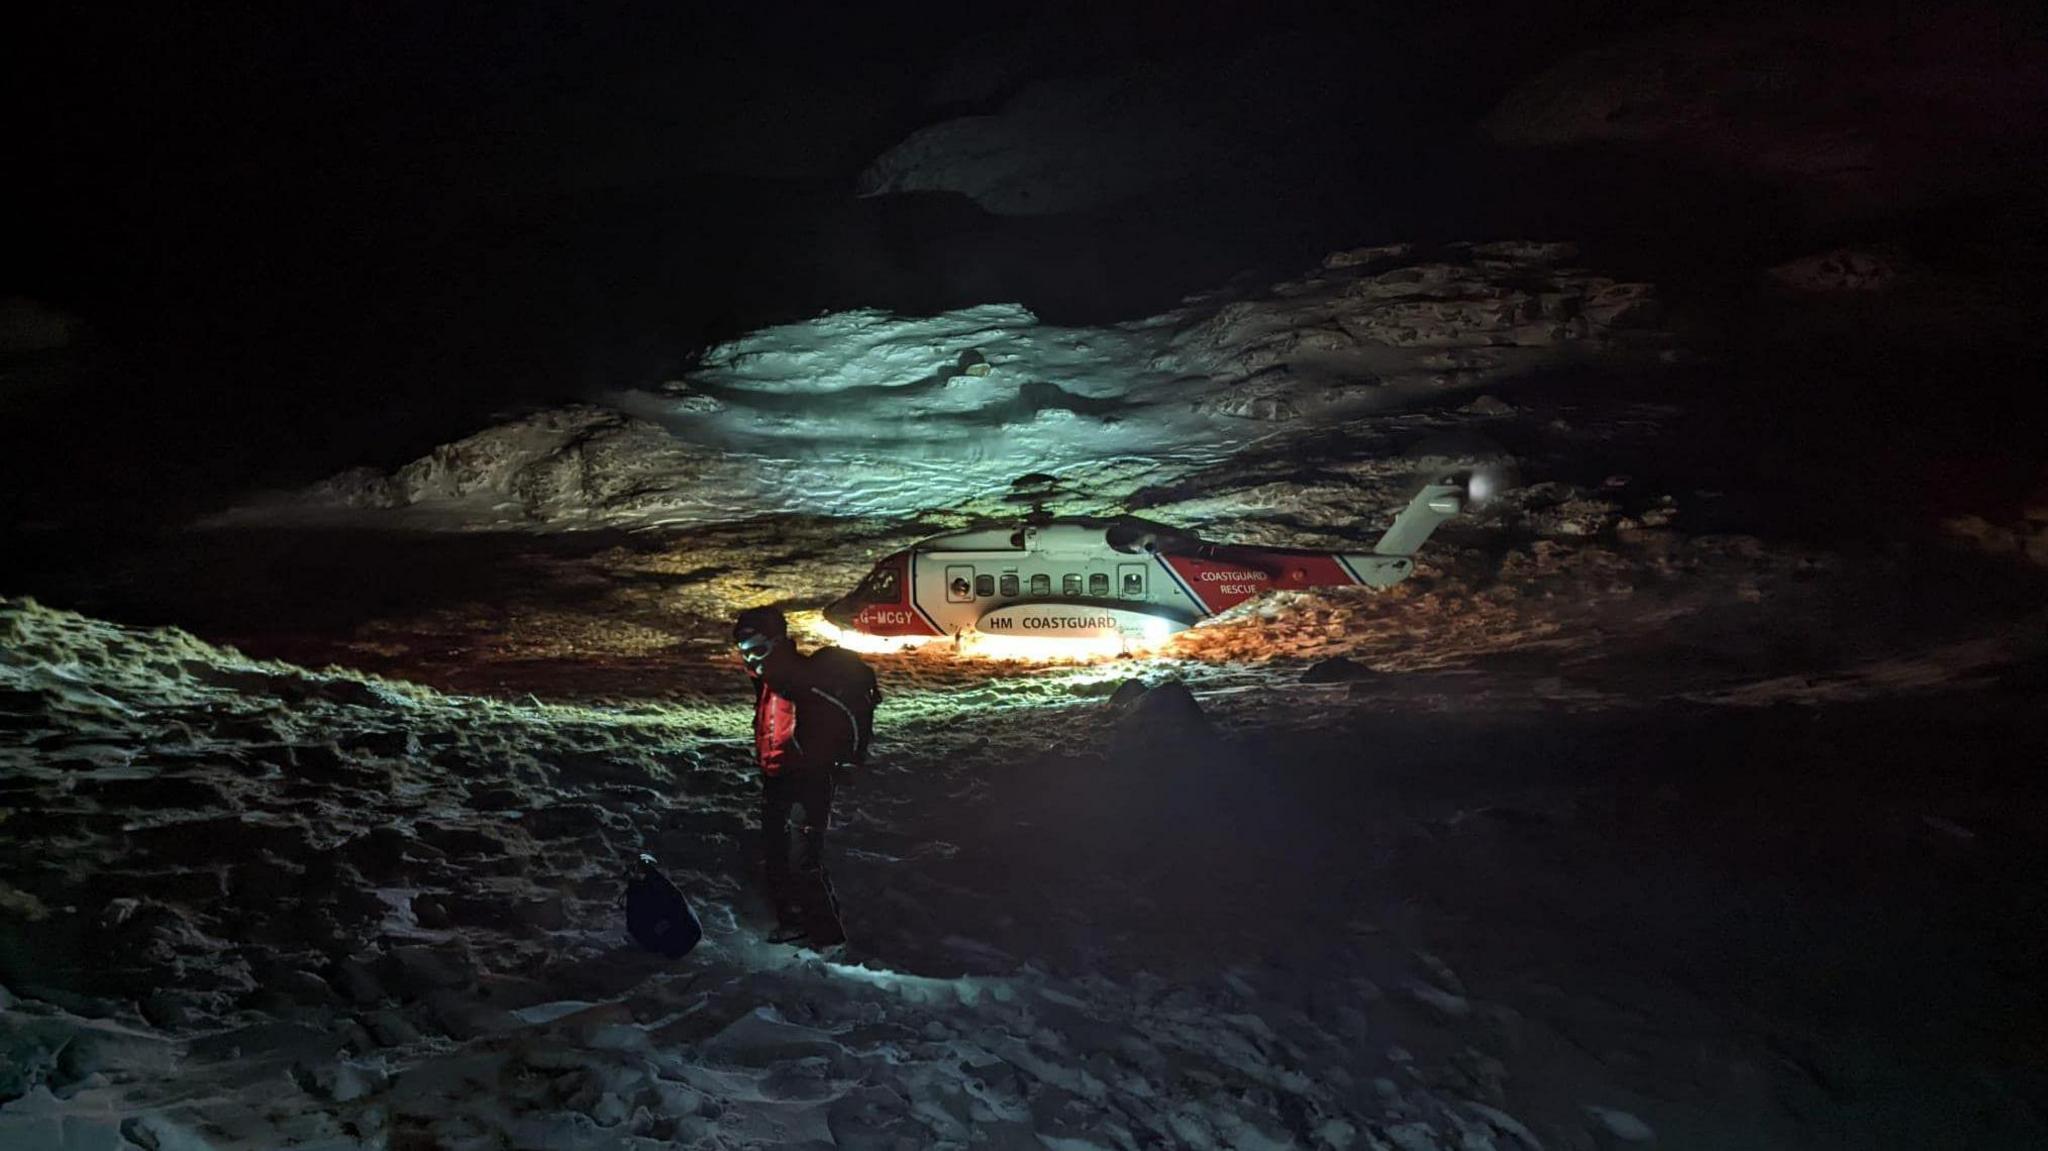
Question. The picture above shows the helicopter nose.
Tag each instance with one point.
(840, 613)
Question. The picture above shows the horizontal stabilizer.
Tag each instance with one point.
(1433, 505)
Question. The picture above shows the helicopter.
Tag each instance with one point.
(1123, 581)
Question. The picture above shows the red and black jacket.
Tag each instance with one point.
(776, 747)
(789, 736)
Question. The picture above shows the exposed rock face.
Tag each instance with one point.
(1362, 305)
(555, 467)
(1862, 112)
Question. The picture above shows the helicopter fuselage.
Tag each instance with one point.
(1083, 578)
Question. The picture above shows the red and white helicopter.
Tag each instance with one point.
(1102, 584)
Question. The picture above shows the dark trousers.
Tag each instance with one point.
(802, 795)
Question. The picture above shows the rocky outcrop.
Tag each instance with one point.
(1379, 315)
(870, 413)
(555, 467)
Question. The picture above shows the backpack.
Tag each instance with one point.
(848, 689)
(657, 915)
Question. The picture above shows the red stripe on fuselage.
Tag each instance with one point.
(1222, 584)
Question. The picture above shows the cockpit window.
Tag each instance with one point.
(883, 585)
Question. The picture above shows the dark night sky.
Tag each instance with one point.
(309, 236)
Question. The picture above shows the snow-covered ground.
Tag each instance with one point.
(254, 906)
(1394, 875)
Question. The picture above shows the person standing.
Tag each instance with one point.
(811, 722)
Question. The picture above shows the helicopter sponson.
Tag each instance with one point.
(1091, 578)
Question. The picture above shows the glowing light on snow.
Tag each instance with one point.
(1480, 486)
(861, 641)
(921, 988)
(981, 645)
(1042, 649)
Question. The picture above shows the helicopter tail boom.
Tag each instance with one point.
(1437, 502)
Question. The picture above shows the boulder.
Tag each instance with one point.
(1127, 693)
(1161, 713)
(356, 980)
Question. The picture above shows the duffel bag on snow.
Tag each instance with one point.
(657, 915)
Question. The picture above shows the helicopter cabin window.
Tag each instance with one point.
(1098, 584)
(1132, 582)
(1070, 583)
(1009, 583)
(959, 585)
(881, 586)
(1041, 584)
(984, 586)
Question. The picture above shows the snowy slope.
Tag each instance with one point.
(869, 413)
(246, 905)
(254, 906)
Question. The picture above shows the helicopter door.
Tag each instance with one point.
(960, 584)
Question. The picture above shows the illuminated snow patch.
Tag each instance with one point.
(966, 989)
(864, 412)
